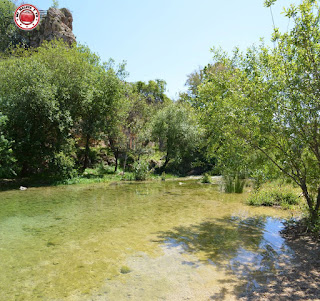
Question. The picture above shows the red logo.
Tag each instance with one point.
(27, 17)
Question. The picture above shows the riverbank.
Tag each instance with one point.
(299, 280)
(89, 176)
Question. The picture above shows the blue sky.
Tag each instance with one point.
(168, 39)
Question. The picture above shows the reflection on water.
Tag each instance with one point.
(259, 267)
(178, 241)
(251, 248)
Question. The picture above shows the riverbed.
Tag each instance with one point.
(172, 240)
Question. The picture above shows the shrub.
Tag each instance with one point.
(274, 197)
(94, 156)
(140, 170)
(259, 178)
(7, 160)
(62, 166)
(206, 179)
(128, 176)
(105, 169)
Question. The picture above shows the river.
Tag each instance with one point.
(173, 240)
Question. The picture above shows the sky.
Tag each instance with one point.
(169, 39)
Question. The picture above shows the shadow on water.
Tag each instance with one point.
(14, 184)
(298, 281)
(249, 248)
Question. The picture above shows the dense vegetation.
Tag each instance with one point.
(262, 106)
(70, 111)
(253, 114)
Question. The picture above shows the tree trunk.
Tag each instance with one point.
(165, 162)
(115, 151)
(306, 195)
(25, 169)
(86, 153)
(318, 201)
(313, 208)
(116, 155)
(125, 162)
(315, 211)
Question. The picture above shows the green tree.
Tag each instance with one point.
(34, 119)
(194, 81)
(88, 89)
(65, 93)
(267, 100)
(7, 160)
(154, 91)
(176, 129)
(100, 108)
(129, 134)
(10, 34)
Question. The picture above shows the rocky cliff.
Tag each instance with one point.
(56, 24)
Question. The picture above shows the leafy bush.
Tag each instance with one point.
(140, 170)
(128, 176)
(259, 178)
(105, 169)
(62, 166)
(206, 179)
(7, 160)
(93, 156)
(274, 197)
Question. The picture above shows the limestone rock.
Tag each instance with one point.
(57, 24)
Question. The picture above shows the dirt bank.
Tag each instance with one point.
(299, 281)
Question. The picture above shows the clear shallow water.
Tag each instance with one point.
(175, 241)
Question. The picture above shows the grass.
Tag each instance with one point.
(233, 184)
(99, 174)
(274, 195)
(228, 185)
(85, 180)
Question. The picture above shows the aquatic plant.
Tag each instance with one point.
(233, 184)
(125, 270)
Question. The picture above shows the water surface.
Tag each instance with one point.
(136, 241)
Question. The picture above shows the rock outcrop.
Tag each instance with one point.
(57, 24)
